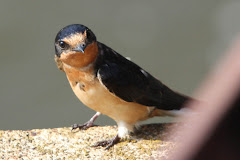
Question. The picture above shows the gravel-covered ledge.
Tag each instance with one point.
(62, 143)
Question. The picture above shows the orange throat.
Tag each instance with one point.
(80, 60)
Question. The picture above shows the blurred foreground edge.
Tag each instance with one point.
(214, 131)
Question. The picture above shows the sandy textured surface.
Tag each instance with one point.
(61, 143)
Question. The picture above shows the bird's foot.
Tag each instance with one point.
(86, 125)
(108, 143)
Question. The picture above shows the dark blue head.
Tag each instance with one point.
(74, 37)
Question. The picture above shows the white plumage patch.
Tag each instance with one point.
(182, 112)
(128, 58)
(144, 72)
(124, 129)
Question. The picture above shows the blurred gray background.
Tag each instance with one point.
(178, 41)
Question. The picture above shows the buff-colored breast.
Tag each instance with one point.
(96, 96)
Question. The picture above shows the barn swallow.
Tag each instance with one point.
(111, 84)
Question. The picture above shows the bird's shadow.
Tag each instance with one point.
(155, 131)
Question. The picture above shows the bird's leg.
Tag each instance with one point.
(88, 124)
(108, 143)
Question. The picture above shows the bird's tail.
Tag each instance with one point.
(172, 100)
(173, 104)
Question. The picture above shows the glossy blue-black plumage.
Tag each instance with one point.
(131, 83)
(124, 78)
(72, 29)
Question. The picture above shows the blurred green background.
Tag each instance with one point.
(178, 41)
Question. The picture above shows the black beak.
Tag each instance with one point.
(79, 48)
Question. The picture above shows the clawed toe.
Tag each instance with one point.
(107, 143)
(86, 125)
(101, 143)
(81, 126)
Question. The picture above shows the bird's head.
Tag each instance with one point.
(76, 45)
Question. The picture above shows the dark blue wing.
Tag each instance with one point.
(131, 83)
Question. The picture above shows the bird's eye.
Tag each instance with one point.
(63, 45)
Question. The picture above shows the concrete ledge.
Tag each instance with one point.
(62, 143)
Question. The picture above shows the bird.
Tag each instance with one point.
(111, 84)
